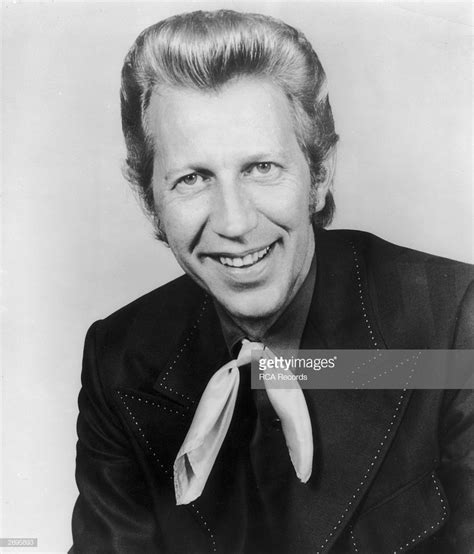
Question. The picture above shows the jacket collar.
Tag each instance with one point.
(200, 354)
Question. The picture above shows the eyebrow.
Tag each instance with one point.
(265, 156)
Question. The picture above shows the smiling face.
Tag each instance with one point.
(232, 190)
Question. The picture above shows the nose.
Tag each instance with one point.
(233, 211)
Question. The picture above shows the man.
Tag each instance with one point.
(231, 143)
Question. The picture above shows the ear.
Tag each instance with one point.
(323, 185)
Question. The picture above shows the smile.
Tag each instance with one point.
(245, 261)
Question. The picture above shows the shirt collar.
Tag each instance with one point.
(286, 332)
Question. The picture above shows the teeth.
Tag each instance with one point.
(246, 261)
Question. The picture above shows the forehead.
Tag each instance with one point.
(245, 116)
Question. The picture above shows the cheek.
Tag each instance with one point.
(182, 221)
(286, 204)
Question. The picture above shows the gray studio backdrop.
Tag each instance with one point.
(76, 246)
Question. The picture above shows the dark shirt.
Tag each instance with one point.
(255, 443)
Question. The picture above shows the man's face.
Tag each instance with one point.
(231, 187)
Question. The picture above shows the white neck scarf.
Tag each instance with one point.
(210, 424)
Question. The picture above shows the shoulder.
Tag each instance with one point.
(380, 252)
(136, 340)
(167, 305)
(387, 259)
(414, 292)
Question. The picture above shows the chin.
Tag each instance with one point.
(255, 306)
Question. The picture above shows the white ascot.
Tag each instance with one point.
(210, 424)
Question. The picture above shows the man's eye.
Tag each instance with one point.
(263, 167)
(260, 168)
(190, 179)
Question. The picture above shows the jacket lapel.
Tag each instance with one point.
(353, 429)
(161, 411)
(201, 352)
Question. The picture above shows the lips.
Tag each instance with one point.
(244, 261)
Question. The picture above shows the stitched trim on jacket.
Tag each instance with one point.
(142, 434)
(367, 362)
(181, 350)
(354, 544)
(163, 467)
(356, 494)
(214, 546)
(150, 402)
(413, 359)
(444, 515)
(361, 298)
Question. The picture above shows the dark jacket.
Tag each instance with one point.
(393, 469)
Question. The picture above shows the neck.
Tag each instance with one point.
(257, 329)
